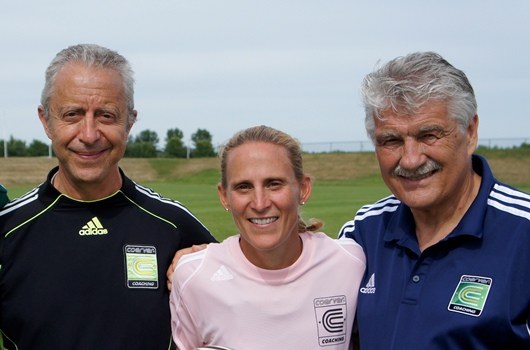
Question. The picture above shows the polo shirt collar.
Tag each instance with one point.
(401, 228)
(48, 193)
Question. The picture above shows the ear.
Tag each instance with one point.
(472, 135)
(306, 186)
(131, 119)
(222, 196)
(44, 121)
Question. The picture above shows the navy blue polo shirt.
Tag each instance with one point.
(469, 291)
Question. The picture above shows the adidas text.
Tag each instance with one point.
(93, 231)
(370, 286)
(367, 290)
(93, 228)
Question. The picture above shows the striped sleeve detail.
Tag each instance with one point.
(388, 204)
(20, 202)
(26, 201)
(510, 200)
(197, 258)
(154, 195)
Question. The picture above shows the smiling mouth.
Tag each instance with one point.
(89, 155)
(417, 177)
(263, 221)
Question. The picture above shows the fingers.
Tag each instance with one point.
(197, 248)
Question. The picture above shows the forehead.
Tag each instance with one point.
(433, 113)
(258, 157)
(80, 75)
(257, 150)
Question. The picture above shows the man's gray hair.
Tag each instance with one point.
(92, 56)
(405, 84)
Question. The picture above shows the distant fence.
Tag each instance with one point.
(345, 146)
(367, 146)
(363, 146)
(503, 142)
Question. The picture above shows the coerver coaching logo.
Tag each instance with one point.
(330, 315)
(470, 295)
(141, 266)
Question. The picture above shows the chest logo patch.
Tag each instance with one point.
(370, 286)
(330, 313)
(470, 295)
(141, 266)
(93, 227)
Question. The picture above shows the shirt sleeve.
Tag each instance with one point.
(194, 232)
(347, 230)
(355, 250)
(183, 327)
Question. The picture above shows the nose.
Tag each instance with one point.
(412, 154)
(260, 200)
(89, 132)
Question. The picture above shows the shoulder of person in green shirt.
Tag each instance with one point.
(3, 196)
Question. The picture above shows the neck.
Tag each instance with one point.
(274, 258)
(86, 190)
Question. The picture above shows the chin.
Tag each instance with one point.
(419, 204)
(92, 175)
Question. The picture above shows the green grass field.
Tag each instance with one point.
(337, 192)
(333, 202)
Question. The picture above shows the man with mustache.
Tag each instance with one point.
(448, 253)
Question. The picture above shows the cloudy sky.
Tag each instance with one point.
(224, 65)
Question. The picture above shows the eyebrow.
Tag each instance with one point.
(387, 135)
(424, 129)
(431, 128)
(265, 180)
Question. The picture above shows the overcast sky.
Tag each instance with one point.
(224, 65)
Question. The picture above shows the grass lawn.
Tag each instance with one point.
(344, 182)
(333, 202)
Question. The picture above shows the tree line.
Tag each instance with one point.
(142, 145)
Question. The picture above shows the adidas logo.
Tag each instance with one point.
(222, 274)
(370, 286)
(93, 227)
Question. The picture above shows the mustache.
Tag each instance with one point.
(424, 169)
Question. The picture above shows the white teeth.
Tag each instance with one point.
(263, 221)
(419, 176)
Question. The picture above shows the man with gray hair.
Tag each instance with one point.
(84, 255)
(448, 253)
